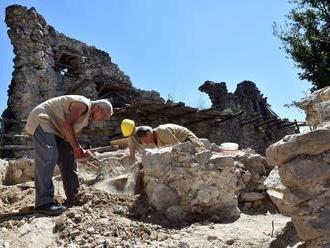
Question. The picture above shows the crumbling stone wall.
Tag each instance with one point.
(183, 180)
(247, 97)
(18, 171)
(304, 169)
(48, 64)
(252, 124)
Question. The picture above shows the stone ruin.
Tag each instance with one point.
(184, 181)
(49, 64)
(191, 181)
(181, 180)
(303, 160)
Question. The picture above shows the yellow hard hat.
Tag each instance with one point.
(127, 127)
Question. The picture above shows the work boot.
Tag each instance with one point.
(51, 209)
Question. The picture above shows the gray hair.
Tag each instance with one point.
(105, 104)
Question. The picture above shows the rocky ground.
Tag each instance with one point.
(102, 219)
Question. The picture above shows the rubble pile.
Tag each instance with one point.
(303, 162)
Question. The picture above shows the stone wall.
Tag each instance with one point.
(18, 171)
(304, 169)
(184, 180)
(47, 64)
(246, 97)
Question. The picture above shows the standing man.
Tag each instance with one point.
(53, 125)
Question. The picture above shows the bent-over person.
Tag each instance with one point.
(163, 135)
(53, 126)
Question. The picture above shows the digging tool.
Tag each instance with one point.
(92, 160)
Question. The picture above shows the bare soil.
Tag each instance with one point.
(102, 219)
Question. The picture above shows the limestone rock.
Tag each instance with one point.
(274, 182)
(305, 171)
(313, 226)
(194, 182)
(160, 196)
(156, 162)
(288, 148)
(276, 191)
(19, 171)
(250, 196)
(316, 107)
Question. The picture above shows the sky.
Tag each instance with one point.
(173, 46)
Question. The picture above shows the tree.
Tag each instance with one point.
(306, 39)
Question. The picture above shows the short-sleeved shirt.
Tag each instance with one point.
(168, 134)
(51, 114)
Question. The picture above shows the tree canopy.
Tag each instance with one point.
(306, 39)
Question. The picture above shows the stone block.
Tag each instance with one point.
(256, 163)
(301, 172)
(250, 196)
(160, 196)
(288, 148)
(316, 107)
(313, 226)
(156, 162)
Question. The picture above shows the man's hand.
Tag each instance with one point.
(86, 157)
(79, 152)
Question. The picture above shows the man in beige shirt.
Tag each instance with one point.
(53, 126)
(163, 135)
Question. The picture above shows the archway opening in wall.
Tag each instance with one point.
(67, 64)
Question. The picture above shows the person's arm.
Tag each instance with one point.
(76, 110)
(132, 152)
(131, 148)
